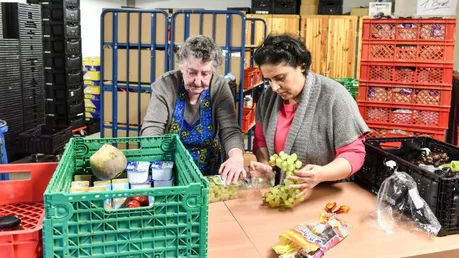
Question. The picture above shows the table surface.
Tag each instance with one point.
(245, 228)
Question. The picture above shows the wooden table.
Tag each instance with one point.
(244, 228)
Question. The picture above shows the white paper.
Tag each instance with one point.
(418, 202)
(436, 7)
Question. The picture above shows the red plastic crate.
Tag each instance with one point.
(406, 73)
(388, 51)
(407, 94)
(24, 198)
(405, 115)
(409, 29)
(382, 131)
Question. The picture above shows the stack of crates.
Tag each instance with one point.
(22, 100)
(62, 62)
(11, 94)
(22, 22)
(406, 76)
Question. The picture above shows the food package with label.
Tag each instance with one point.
(314, 239)
(119, 184)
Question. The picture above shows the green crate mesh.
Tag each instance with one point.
(176, 225)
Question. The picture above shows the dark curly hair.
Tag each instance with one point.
(282, 48)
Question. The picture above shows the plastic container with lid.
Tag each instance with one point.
(10, 223)
(137, 171)
(248, 101)
(161, 170)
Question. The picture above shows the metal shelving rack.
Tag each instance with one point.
(228, 50)
(129, 87)
(261, 86)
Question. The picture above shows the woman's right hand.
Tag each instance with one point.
(258, 169)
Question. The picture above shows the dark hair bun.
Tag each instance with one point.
(283, 48)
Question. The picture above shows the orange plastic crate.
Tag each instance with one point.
(248, 119)
(409, 29)
(405, 115)
(382, 131)
(24, 198)
(407, 94)
(388, 51)
(406, 73)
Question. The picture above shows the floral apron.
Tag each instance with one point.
(199, 138)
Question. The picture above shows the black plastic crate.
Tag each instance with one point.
(45, 139)
(62, 61)
(440, 192)
(59, 30)
(60, 13)
(67, 3)
(63, 78)
(92, 125)
(59, 94)
(54, 108)
(74, 122)
(69, 47)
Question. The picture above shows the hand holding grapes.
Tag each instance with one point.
(306, 179)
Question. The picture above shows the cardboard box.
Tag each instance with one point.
(92, 97)
(309, 9)
(310, 2)
(92, 90)
(145, 65)
(122, 107)
(144, 28)
(208, 28)
(91, 76)
(359, 11)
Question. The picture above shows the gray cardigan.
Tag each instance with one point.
(326, 119)
(160, 110)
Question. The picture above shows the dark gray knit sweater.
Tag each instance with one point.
(327, 118)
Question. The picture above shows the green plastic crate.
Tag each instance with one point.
(351, 85)
(77, 224)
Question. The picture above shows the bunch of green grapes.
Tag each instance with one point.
(281, 195)
(219, 191)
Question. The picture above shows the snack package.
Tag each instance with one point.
(107, 186)
(79, 189)
(119, 184)
(80, 184)
(83, 178)
(314, 239)
(220, 191)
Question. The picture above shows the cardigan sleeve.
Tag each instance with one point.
(156, 118)
(225, 114)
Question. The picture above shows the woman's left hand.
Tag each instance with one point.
(307, 177)
(232, 168)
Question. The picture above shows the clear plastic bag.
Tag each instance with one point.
(220, 191)
(399, 199)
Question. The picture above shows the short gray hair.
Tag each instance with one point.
(201, 47)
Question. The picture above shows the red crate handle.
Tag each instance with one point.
(26, 190)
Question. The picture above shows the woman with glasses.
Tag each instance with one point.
(197, 104)
(307, 114)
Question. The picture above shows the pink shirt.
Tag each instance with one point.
(354, 152)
